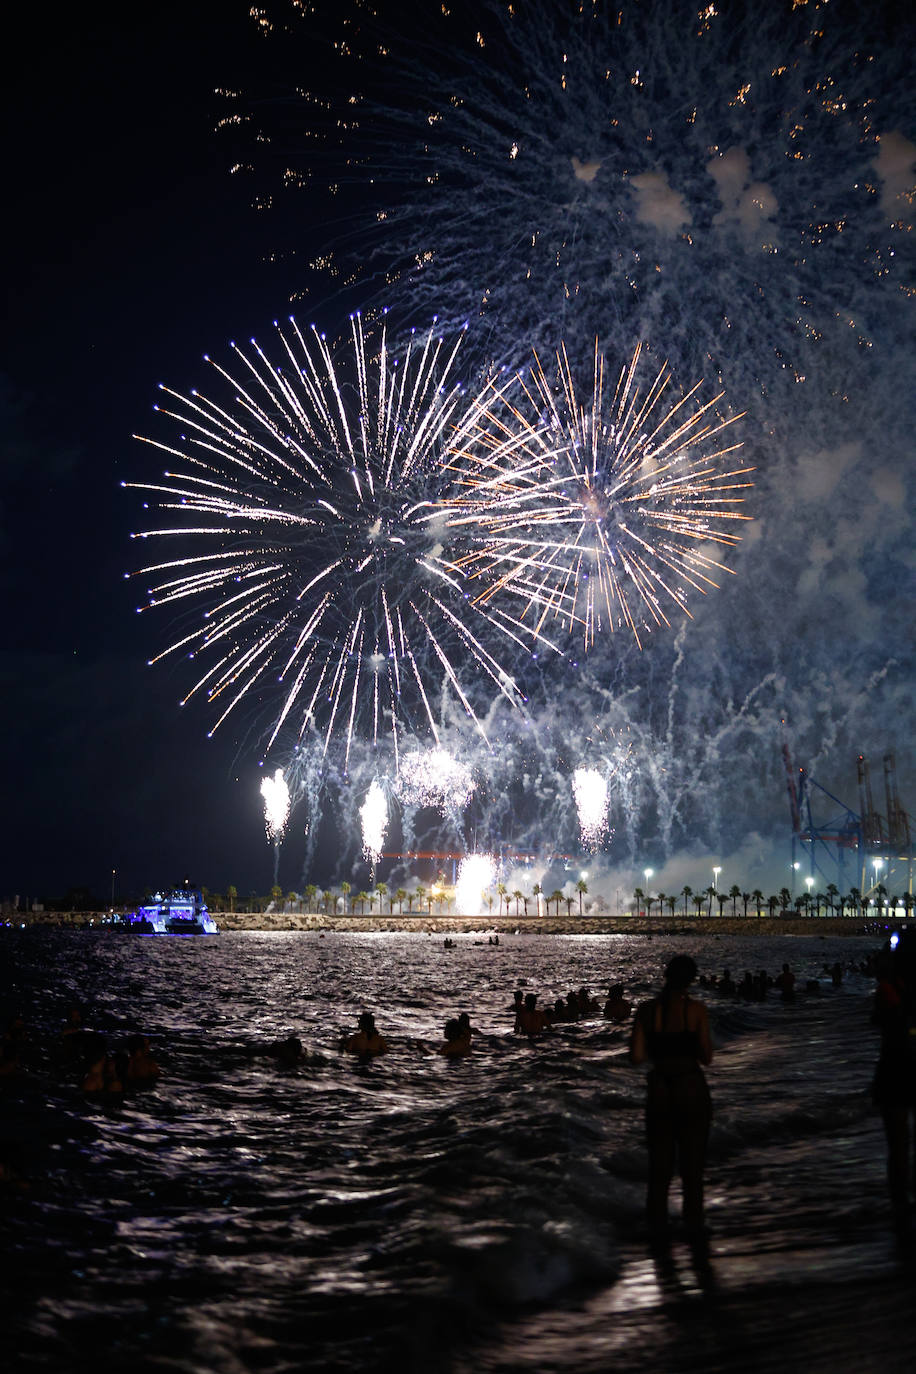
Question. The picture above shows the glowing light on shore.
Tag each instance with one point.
(476, 875)
(591, 793)
(373, 815)
(275, 792)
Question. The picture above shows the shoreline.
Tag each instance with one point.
(417, 923)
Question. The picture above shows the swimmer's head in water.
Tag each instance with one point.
(681, 972)
(367, 1022)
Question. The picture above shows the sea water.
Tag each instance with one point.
(417, 1213)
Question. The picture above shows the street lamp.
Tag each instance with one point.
(113, 872)
(809, 883)
(715, 877)
(877, 865)
(648, 874)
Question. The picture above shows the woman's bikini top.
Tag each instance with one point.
(663, 1044)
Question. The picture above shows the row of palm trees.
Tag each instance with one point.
(830, 902)
(438, 896)
(708, 901)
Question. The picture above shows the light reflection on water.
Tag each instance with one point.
(483, 1214)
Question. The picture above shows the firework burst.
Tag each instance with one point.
(611, 508)
(315, 498)
(559, 165)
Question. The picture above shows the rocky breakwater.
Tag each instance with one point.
(600, 924)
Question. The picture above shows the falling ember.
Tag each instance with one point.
(276, 805)
(374, 817)
(476, 874)
(591, 794)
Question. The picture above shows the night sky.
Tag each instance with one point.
(131, 252)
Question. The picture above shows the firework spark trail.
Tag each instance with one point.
(319, 494)
(609, 510)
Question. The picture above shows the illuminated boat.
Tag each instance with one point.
(179, 911)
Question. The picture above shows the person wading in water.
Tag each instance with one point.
(672, 1032)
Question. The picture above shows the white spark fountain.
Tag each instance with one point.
(591, 794)
(476, 873)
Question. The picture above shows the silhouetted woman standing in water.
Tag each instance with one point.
(672, 1032)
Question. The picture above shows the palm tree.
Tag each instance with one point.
(328, 898)
(734, 892)
(672, 903)
(758, 899)
(745, 898)
(638, 897)
(291, 898)
(420, 896)
(855, 898)
(785, 897)
(581, 888)
(773, 902)
(537, 890)
(232, 892)
(276, 893)
(569, 902)
(399, 897)
(699, 901)
(721, 898)
(555, 896)
(832, 892)
(686, 893)
(382, 890)
(711, 895)
(309, 892)
(907, 904)
(517, 897)
(661, 899)
(503, 894)
(345, 890)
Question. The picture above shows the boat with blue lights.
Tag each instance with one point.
(176, 911)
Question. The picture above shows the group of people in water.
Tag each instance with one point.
(669, 1032)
